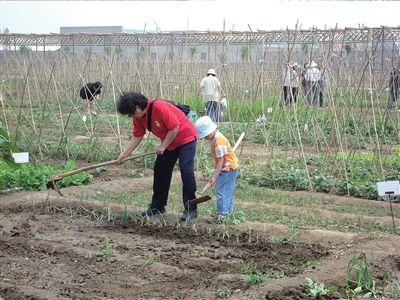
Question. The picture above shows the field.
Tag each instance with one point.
(308, 222)
(90, 244)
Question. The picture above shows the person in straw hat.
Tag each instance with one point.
(313, 75)
(210, 87)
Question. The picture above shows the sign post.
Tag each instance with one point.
(389, 189)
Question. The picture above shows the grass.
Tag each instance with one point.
(258, 204)
(263, 196)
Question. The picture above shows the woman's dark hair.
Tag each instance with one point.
(90, 90)
(128, 101)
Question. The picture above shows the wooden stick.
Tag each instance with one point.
(91, 167)
(238, 141)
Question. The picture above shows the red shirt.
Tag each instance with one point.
(165, 117)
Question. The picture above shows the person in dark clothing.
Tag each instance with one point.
(178, 142)
(304, 84)
(321, 84)
(88, 93)
(394, 86)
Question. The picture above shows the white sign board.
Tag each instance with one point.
(269, 110)
(21, 157)
(386, 187)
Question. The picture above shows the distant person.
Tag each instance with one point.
(394, 86)
(304, 84)
(312, 76)
(178, 138)
(321, 84)
(89, 92)
(291, 82)
(226, 166)
(294, 83)
(286, 84)
(210, 87)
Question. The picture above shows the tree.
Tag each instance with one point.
(66, 49)
(24, 49)
(87, 51)
(193, 49)
(244, 52)
(305, 48)
(144, 50)
(118, 50)
(347, 48)
(107, 50)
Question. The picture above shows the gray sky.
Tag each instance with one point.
(48, 16)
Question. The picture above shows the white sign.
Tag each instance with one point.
(388, 187)
(21, 157)
(269, 110)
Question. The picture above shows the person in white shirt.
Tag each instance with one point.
(291, 82)
(312, 76)
(286, 84)
(210, 87)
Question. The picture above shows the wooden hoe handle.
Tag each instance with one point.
(91, 167)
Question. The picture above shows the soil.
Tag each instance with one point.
(58, 256)
(53, 248)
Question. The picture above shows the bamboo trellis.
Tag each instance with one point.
(357, 62)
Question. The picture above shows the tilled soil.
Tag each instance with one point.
(56, 256)
(55, 248)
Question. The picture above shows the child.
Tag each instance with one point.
(226, 165)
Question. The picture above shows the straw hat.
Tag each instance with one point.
(211, 71)
(313, 64)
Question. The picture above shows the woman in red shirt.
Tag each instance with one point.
(178, 142)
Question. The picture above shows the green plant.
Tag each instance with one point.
(359, 279)
(24, 49)
(6, 148)
(118, 50)
(33, 176)
(66, 49)
(107, 50)
(316, 290)
(143, 50)
(40, 237)
(244, 52)
(106, 250)
(193, 49)
(235, 218)
(87, 51)
(148, 258)
(347, 48)
(64, 228)
(253, 275)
